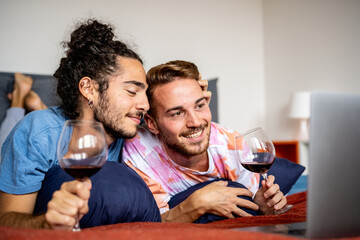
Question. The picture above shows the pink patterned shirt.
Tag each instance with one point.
(146, 155)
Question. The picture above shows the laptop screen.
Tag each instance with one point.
(333, 207)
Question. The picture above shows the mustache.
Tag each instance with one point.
(193, 130)
(140, 114)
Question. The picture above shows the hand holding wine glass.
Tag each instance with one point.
(82, 150)
(256, 153)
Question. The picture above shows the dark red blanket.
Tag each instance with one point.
(217, 230)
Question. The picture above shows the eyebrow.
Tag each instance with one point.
(137, 83)
(180, 107)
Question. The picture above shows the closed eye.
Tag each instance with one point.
(131, 92)
(176, 114)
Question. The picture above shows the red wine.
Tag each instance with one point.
(79, 172)
(257, 167)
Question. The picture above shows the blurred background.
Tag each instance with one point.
(261, 52)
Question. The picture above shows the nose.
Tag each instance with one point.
(143, 103)
(192, 119)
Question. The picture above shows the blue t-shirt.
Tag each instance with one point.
(30, 151)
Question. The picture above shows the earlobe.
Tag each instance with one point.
(150, 122)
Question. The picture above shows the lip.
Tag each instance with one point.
(136, 119)
(197, 138)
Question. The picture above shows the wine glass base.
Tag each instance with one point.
(284, 209)
(76, 229)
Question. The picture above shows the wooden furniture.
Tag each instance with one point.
(288, 149)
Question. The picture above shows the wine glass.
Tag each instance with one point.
(256, 153)
(81, 150)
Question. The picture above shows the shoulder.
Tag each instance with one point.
(222, 136)
(37, 129)
(144, 140)
(49, 117)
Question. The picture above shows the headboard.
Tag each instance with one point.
(45, 87)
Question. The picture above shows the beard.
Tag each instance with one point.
(189, 149)
(112, 119)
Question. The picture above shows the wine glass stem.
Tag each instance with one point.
(264, 175)
(76, 227)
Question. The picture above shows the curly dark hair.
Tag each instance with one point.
(92, 52)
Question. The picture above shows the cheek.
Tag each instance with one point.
(206, 115)
(171, 128)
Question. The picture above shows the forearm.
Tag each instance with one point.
(23, 220)
(186, 211)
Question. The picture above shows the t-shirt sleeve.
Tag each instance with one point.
(26, 157)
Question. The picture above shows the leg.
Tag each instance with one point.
(22, 86)
(33, 102)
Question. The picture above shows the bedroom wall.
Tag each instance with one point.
(224, 38)
(309, 45)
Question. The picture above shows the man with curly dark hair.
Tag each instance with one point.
(101, 79)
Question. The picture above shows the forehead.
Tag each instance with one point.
(130, 69)
(180, 92)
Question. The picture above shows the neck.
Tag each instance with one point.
(88, 114)
(198, 162)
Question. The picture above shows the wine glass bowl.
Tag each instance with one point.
(255, 150)
(82, 150)
(256, 153)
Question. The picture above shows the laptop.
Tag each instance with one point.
(333, 200)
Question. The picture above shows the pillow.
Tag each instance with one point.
(208, 217)
(286, 173)
(118, 195)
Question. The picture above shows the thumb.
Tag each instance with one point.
(222, 183)
(264, 185)
(87, 183)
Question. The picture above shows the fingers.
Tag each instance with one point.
(224, 201)
(242, 192)
(270, 181)
(217, 183)
(281, 203)
(246, 204)
(271, 191)
(71, 199)
(275, 197)
(240, 212)
(81, 189)
(204, 86)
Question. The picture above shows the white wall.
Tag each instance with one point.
(309, 45)
(224, 38)
(262, 51)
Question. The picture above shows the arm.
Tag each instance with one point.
(269, 197)
(215, 198)
(16, 210)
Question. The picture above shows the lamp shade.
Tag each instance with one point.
(300, 105)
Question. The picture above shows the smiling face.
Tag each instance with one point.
(182, 117)
(122, 105)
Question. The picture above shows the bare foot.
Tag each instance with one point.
(22, 86)
(33, 102)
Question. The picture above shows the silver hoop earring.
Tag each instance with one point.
(91, 104)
